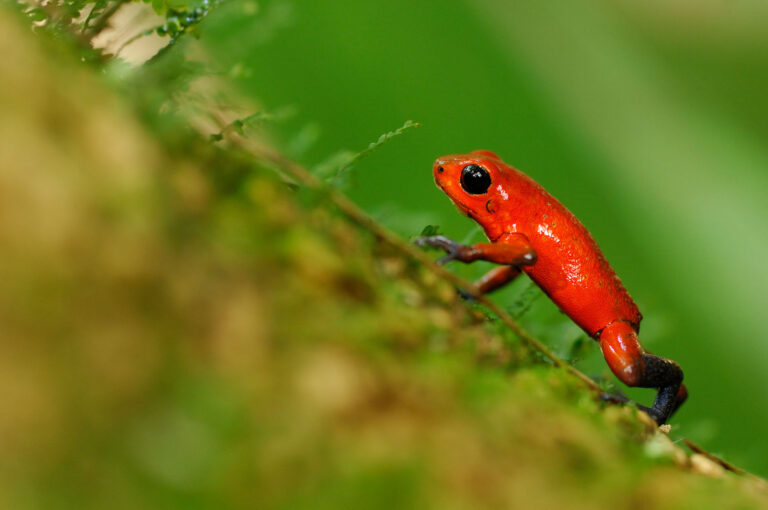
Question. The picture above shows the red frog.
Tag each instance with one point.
(530, 231)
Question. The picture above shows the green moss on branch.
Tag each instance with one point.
(181, 329)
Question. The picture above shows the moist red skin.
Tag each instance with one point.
(570, 267)
(531, 231)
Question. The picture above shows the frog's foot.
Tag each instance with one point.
(453, 250)
(466, 296)
(614, 398)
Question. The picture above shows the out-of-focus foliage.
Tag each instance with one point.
(86, 20)
(183, 330)
(646, 119)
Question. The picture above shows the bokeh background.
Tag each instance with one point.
(647, 119)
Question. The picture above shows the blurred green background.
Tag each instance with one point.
(646, 119)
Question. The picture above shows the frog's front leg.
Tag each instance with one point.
(492, 280)
(496, 278)
(509, 249)
(636, 367)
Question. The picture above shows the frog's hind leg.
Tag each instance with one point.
(635, 367)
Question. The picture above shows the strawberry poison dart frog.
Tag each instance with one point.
(530, 231)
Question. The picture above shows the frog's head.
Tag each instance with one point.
(475, 182)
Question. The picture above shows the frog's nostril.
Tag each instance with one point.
(439, 169)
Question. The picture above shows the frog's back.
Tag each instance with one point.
(571, 268)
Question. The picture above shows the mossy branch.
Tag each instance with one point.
(358, 216)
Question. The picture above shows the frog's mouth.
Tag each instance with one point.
(450, 188)
(463, 209)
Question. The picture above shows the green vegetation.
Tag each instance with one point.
(186, 325)
(647, 119)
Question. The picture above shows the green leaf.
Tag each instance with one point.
(375, 145)
(430, 230)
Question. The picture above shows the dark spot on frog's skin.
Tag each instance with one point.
(489, 206)
(439, 169)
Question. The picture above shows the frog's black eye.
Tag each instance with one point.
(475, 179)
